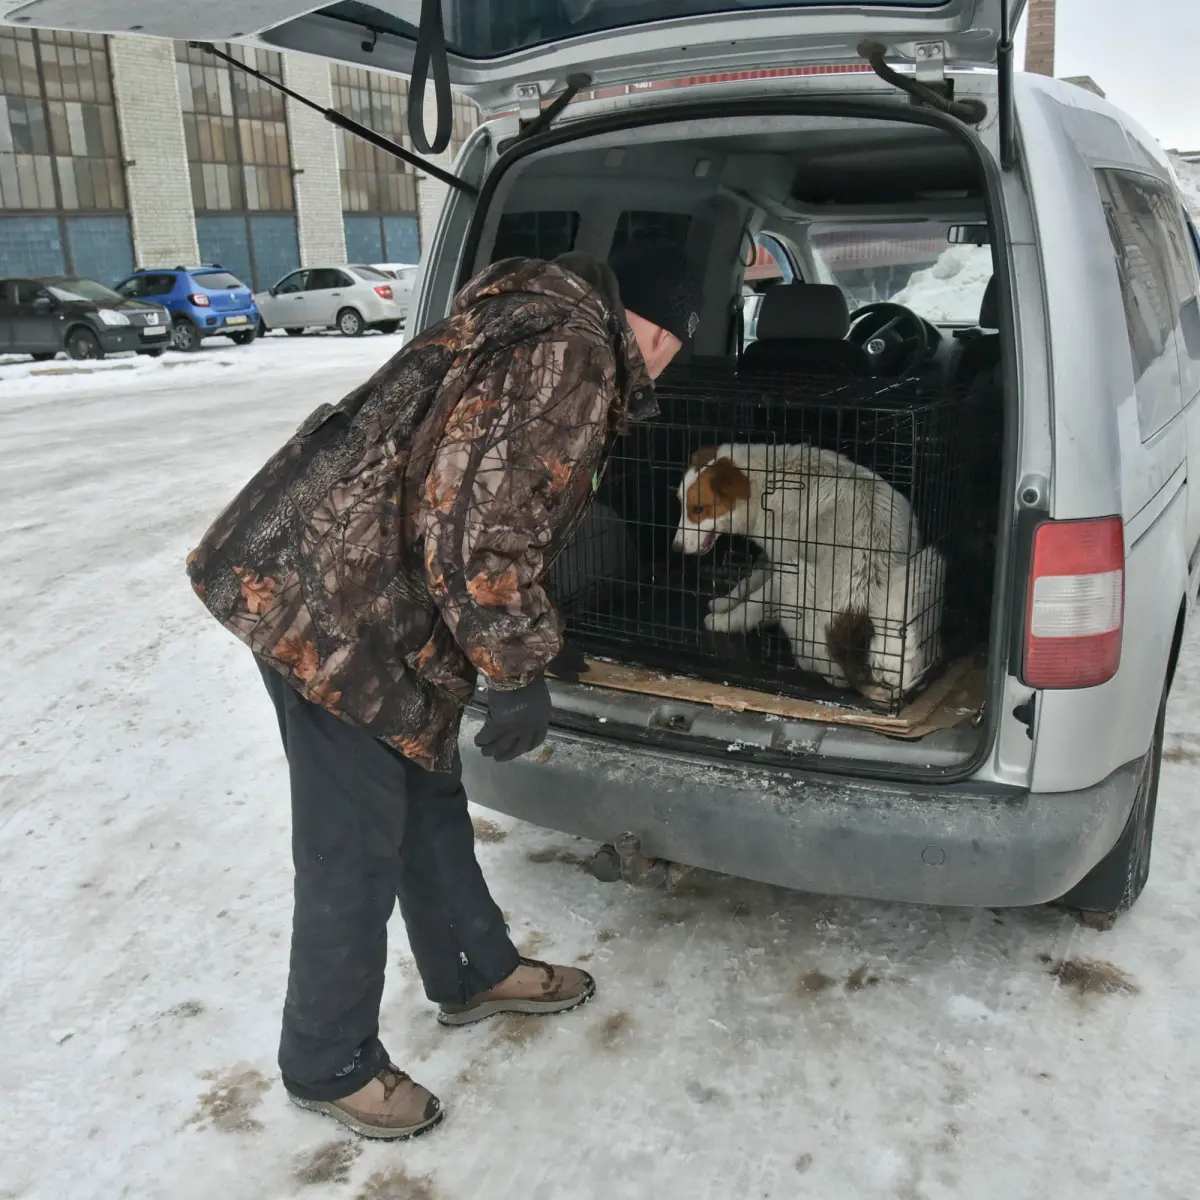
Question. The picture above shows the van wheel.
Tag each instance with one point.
(388, 326)
(157, 352)
(83, 343)
(185, 336)
(244, 337)
(293, 332)
(350, 322)
(1114, 884)
(44, 355)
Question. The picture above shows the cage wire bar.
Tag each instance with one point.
(890, 530)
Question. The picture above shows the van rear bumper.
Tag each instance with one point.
(960, 844)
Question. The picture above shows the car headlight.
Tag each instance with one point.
(109, 316)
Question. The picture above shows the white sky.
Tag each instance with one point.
(1143, 53)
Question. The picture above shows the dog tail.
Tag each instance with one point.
(848, 637)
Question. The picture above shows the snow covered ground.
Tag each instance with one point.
(745, 1042)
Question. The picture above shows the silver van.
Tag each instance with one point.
(991, 298)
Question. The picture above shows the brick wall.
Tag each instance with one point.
(1039, 40)
(151, 122)
(314, 156)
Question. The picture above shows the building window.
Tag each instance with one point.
(236, 130)
(373, 181)
(466, 118)
(59, 148)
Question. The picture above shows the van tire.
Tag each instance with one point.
(1113, 885)
(244, 337)
(388, 326)
(350, 322)
(293, 332)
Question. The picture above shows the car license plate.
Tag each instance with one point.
(154, 332)
(237, 320)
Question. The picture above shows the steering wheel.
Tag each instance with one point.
(895, 338)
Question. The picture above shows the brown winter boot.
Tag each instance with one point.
(534, 987)
(390, 1106)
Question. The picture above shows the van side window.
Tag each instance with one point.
(1156, 282)
(1190, 355)
(545, 234)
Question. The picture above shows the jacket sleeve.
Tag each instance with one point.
(511, 474)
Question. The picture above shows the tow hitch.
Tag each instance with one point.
(623, 860)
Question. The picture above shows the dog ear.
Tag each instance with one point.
(729, 480)
(704, 456)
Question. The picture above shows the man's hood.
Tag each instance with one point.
(574, 278)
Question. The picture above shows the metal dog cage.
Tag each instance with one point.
(626, 593)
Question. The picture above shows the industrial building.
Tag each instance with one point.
(118, 152)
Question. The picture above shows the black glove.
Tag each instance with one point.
(568, 664)
(517, 721)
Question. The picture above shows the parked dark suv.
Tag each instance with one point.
(43, 317)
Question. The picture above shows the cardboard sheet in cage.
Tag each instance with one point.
(952, 699)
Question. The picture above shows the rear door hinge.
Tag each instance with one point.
(929, 84)
(533, 118)
(931, 65)
(529, 101)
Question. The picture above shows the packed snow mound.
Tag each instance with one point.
(1189, 181)
(952, 289)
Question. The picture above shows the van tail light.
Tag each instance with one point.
(384, 290)
(200, 299)
(1075, 608)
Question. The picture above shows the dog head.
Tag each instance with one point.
(714, 496)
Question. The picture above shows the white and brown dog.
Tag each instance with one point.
(844, 575)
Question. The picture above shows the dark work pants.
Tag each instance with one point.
(368, 827)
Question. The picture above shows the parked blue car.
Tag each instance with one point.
(204, 301)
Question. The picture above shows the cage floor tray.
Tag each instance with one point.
(954, 698)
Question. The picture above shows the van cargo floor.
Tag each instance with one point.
(954, 698)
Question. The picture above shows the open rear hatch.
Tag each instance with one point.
(494, 49)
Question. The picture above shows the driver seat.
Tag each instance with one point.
(981, 353)
(802, 328)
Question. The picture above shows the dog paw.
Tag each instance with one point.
(878, 693)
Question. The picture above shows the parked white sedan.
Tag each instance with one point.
(349, 298)
(405, 275)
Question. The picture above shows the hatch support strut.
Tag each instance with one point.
(349, 124)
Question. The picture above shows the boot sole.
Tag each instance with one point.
(527, 1008)
(379, 1133)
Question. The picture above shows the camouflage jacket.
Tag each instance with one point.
(395, 545)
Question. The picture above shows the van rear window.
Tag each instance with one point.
(545, 234)
(477, 30)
